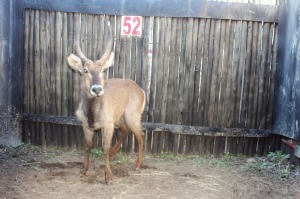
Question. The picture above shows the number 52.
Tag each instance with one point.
(131, 26)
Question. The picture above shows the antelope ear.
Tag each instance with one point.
(110, 61)
(75, 62)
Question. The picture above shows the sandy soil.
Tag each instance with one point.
(30, 172)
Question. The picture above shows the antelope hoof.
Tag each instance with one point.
(108, 178)
(137, 165)
(83, 172)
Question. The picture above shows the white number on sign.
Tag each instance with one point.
(131, 26)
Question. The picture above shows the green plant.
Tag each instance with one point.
(278, 156)
(285, 171)
(274, 162)
(171, 156)
(96, 153)
(121, 159)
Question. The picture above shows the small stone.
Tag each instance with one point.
(251, 160)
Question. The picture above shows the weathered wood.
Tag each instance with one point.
(209, 65)
(31, 77)
(25, 90)
(145, 66)
(247, 76)
(42, 75)
(154, 70)
(253, 74)
(159, 127)
(235, 11)
(243, 75)
(227, 113)
(197, 78)
(181, 74)
(272, 78)
(262, 77)
(175, 112)
(204, 75)
(214, 84)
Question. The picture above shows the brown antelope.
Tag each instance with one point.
(106, 103)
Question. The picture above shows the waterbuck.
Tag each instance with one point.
(107, 103)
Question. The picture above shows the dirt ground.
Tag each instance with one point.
(31, 172)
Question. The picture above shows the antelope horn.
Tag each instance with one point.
(77, 42)
(108, 48)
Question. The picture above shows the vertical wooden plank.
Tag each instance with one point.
(225, 39)
(139, 60)
(117, 47)
(175, 144)
(210, 75)
(272, 78)
(133, 62)
(232, 145)
(219, 146)
(154, 70)
(174, 111)
(171, 95)
(192, 101)
(263, 73)
(188, 68)
(205, 75)
(252, 146)
(227, 110)
(202, 145)
(240, 145)
(182, 144)
(43, 74)
(145, 63)
(233, 116)
(197, 78)
(182, 70)
(166, 67)
(209, 144)
(37, 70)
(48, 65)
(247, 76)
(127, 58)
(256, 118)
(261, 146)
(89, 37)
(95, 24)
(214, 87)
(253, 74)
(240, 65)
(26, 68)
(155, 142)
(269, 78)
(160, 72)
(165, 81)
(52, 133)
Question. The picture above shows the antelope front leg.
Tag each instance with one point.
(88, 134)
(107, 136)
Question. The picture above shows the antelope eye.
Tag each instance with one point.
(85, 70)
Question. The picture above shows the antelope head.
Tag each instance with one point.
(92, 71)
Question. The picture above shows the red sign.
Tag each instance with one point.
(131, 26)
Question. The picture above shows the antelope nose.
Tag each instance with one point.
(96, 90)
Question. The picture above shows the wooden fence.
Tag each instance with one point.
(212, 73)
